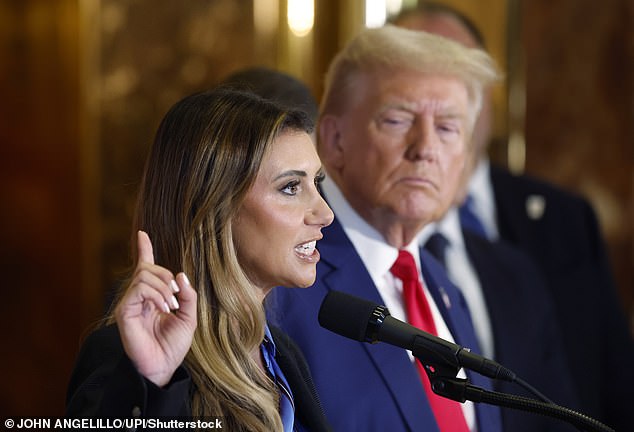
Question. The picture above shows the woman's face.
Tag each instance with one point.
(281, 218)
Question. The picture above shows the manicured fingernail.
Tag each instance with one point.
(174, 286)
(186, 279)
(174, 302)
(166, 307)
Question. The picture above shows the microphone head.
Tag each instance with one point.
(351, 316)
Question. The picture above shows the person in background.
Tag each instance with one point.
(393, 134)
(277, 86)
(229, 200)
(560, 233)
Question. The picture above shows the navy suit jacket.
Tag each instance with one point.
(366, 387)
(565, 241)
(526, 332)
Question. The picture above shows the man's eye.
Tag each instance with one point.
(394, 121)
(447, 128)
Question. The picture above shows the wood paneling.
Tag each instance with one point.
(580, 112)
(39, 189)
(152, 53)
(83, 85)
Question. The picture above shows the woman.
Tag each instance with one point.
(229, 198)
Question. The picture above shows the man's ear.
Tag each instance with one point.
(330, 149)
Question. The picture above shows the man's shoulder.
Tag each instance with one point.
(545, 218)
(504, 179)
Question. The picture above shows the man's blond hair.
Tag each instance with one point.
(391, 48)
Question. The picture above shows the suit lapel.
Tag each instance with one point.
(344, 271)
(450, 302)
(308, 408)
(455, 312)
(511, 198)
(498, 294)
(341, 266)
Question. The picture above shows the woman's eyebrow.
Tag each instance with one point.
(291, 173)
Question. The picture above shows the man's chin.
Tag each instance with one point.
(420, 213)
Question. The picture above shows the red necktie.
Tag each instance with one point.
(448, 413)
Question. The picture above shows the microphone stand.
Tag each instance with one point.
(442, 371)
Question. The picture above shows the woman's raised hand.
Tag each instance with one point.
(156, 317)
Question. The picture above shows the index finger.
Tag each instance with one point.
(144, 248)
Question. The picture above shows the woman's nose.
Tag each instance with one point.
(322, 213)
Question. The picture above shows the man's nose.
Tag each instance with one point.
(422, 140)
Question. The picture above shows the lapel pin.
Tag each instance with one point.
(535, 206)
(445, 297)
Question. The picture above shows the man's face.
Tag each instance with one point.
(448, 26)
(398, 149)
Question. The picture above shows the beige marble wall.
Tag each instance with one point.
(40, 253)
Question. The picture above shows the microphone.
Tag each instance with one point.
(365, 321)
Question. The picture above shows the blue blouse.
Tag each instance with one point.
(287, 406)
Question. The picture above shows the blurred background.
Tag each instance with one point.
(84, 83)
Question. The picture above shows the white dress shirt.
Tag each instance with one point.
(463, 275)
(481, 192)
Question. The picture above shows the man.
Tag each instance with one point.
(394, 132)
(561, 234)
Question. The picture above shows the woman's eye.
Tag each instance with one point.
(319, 178)
(291, 188)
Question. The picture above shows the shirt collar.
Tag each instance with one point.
(480, 183)
(448, 226)
(287, 407)
(483, 198)
(377, 255)
(268, 349)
